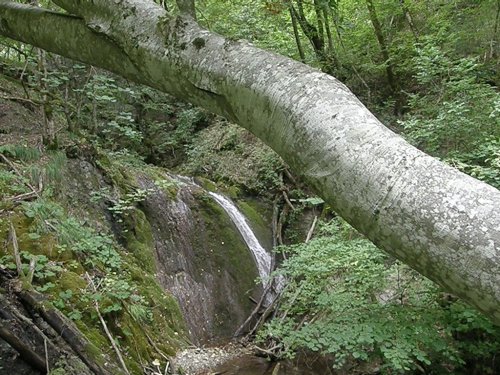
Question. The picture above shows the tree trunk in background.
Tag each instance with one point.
(311, 32)
(434, 218)
(315, 35)
(296, 33)
(494, 35)
(319, 21)
(409, 18)
(49, 133)
(384, 48)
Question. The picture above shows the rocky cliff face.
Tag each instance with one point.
(187, 240)
(202, 260)
(178, 269)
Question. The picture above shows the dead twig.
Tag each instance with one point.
(15, 247)
(31, 269)
(311, 230)
(288, 201)
(46, 355)
(106, 330)
(269, 351)
(289, 174)
(17, 99)
(23, 197)
(254, 312)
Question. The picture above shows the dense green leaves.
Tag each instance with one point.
(344, 297)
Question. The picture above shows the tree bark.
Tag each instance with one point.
(293, 17)
(409, 18)
(66, 329)
(309, 30)
(384, 48)
(434, 218)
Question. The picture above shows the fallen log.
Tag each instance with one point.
(27, 354)
(67, 330)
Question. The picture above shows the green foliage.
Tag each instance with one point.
(92, 247)
(44, 268)
(44, 214)
(123, 205)
(482, 162)
(344, 297)
(11, 183)
(457, 117)
(226, 153)
(265, 24)
(457, 113)
(139, 310)
(53, 167)
(352, 301)
(123, 126)
(33, 169)
(95, 248)
(24, 153)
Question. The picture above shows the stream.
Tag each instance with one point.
(245, 363)
(260, 255)
(253, 365)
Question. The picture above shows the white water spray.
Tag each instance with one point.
(261, 256)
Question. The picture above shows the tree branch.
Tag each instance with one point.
(65, 328)
(432, 217)
(32, 358)
(70, 37)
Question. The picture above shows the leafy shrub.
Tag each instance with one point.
(228, 153)
(457, 113)
(346, 298)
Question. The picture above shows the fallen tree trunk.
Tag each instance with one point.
(434, 218)
(30, 356)
(85, 350)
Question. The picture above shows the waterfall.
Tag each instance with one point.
(261, 256)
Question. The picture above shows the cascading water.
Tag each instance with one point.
(261, 256)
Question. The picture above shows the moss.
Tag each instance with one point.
(71, 280)
(94, 352)
(135, 271)
(166, 328)
(250, 213)
(206, 184)
(167, 185)
(132, 336)
(227, 252)
(166, 313)
(258, 216)
(139, 239)
(97, 341)
(133, 367)
(116, 174)
(43, 244)
(233, 192)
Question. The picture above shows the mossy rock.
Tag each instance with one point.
(259, 217)
(206, 184)
(138, 238)
(72, 281)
